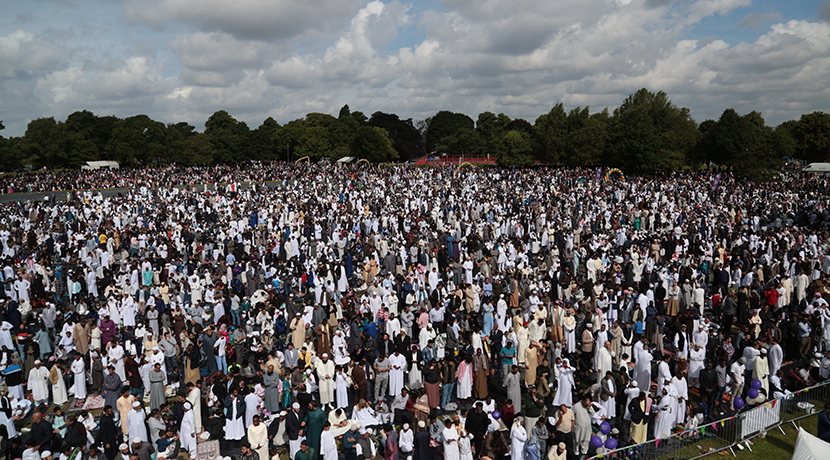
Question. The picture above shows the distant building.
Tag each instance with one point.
(95, 165)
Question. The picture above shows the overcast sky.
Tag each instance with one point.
(182, 60)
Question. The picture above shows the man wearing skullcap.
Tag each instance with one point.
(187, 432)
(136, 429)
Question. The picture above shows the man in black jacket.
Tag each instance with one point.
(295, 428)
(42, 432)
(108, 434)
(75, 433)
(477, 423)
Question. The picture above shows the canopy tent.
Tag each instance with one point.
(809, 447)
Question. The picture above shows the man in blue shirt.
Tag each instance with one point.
(824, 423)
(507, 354)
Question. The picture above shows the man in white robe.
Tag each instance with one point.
(79, 372)
(187, 432)
(135, 423)
(258, 437)
(39, 383)
(328, 446)
(761, 371)
(663, 374)
(325, 379)
(604, 361)
(396, 375)
(666, 414)
(116, 356)
(252, 404)
(194, 396)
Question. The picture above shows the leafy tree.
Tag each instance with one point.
(489, 125)
(344, 112)
(176, 136)
(137, 140)
(287, 138)
(514, 148)
(549, 135)
(197, 150)
(744, 143)
(444, 124)
(227, 135)
(519, 124)
(406, 140)
(314, 143)
(341, 135)
(465, 141)
(259, 145)
(45, 144)
(651, 134)
(587, 138)
(360, 117)
(9, 153)
(812, 136)
(373, 144)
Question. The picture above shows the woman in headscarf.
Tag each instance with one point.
(518, 438)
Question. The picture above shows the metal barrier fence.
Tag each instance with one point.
(736, 432)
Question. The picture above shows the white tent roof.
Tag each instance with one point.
(809, 447)
(345, 160)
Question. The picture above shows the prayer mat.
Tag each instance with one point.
(92, 402)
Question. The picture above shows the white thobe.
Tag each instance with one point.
(135, 425)
(78, 370)
(398, 363)
(39, 383)
(187, 433)
(325, 374)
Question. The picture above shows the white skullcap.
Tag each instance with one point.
(188, 406)
(325, 355)
(123, 446)
(45, 454)
(136, 404)
(156, 349)
(634, 383)
(295, 406)
(422, 424)
(37, 361)
(136, 440)
(589, 325)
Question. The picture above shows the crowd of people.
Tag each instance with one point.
(365, 312)
(167, 176)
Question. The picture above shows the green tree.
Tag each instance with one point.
(549, 135)
(489, 125)
(464, 141)
(137, 140)
(373, 144)
(176, 136)
(259, 145)
(314, 143)
(45, 143)
(287, 138)
(745, 143)
(514, 148)
(9, 153)
(651, 134)
(197, 150)
(341, 135)
(812, 136)
(444, 124)
(406, 140)
(227, 135)
(344, 112)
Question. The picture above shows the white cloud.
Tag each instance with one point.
(284, 59)
(245, 19)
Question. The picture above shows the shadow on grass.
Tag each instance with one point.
(781, 444)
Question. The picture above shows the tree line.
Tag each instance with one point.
(646, 133)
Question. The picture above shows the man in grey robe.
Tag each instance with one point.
(514, 389)
(112, 387)
(156, 387)
(582, 425)
(271, 381)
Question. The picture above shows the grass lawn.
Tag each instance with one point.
(777, 446)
